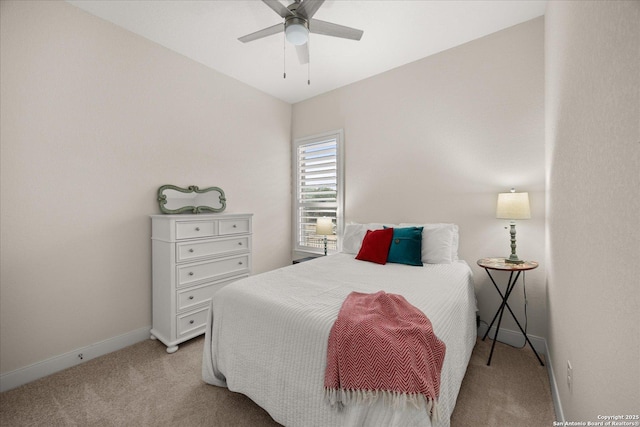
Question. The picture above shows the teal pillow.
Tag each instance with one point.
(406, 246)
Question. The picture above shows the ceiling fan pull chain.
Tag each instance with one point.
(309, 61)
(284, 56)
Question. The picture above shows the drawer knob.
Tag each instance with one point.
(240, 243)
(235, 226)
(191, 322)
(197, 228)
(191, 273)
(239, 262)
(191, 297)
(191, 250)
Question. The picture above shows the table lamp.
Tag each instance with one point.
(513, 206)
(324, 227)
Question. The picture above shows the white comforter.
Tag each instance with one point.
(267, 335)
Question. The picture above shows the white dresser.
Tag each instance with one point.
(194, 256)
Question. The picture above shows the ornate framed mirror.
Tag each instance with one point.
(175, 200)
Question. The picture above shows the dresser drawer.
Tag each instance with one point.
(234, 226)
(212, 270)
(189, 323)
(195, 229)
(188, 251)
(194, 296)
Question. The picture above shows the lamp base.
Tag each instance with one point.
(513, 258)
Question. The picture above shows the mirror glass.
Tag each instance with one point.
(175, 200)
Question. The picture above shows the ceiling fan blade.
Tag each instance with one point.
(308, 8)
(275, 29)
(334, 30)
(278, 7)
(303, 53)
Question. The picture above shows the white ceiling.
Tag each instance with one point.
(396, 32)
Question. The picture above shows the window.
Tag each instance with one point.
(318, 178)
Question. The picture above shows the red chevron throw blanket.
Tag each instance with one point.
(383, 347)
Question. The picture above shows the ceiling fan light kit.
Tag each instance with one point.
(296, 30)
(298, 23)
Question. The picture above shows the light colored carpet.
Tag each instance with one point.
(513, 391)
(142, 385)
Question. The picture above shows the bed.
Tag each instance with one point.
(267, 334)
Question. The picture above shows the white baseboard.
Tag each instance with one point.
(55, 364)
(514, 338)
(554, 389)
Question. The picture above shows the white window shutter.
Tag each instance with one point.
(318, 189)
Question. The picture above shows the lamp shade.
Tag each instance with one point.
(324, 226)
(513, 206)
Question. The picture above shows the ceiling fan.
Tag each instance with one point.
(298, 23)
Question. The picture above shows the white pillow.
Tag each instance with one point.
(439, 242)
(354, 235)
(455, 243)
(352, 238)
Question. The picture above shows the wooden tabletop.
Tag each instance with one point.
(500, 264)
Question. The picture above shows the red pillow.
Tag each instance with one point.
(375, 246)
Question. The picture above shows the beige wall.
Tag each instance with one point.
(438, 139)
(593, 164)
(93, 120)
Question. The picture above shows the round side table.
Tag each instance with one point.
(499, 264)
